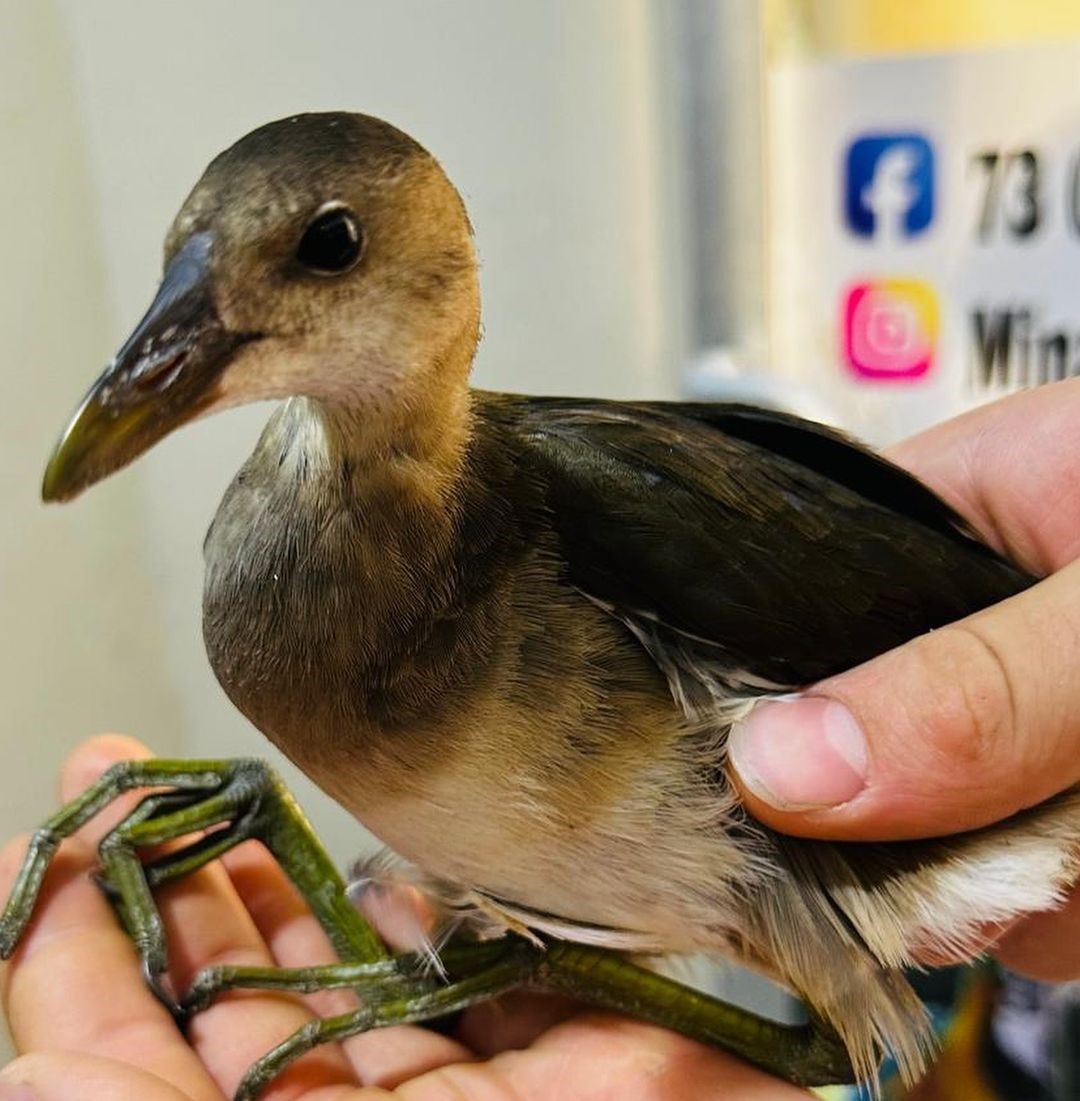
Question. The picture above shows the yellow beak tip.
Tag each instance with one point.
(55, 485)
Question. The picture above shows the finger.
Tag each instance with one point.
(400, 913)
(74, 983)
(514, 1021)
(982, 464)
(384, 1058)
(601, 1057)
(957, 729)
(63, 1075)
(206, 923)
(1045, 946)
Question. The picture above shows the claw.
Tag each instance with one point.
(161, 989)
(106, 886)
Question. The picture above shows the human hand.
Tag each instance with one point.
(971, 723)
(88, 1027)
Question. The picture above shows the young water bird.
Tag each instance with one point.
(510, 634)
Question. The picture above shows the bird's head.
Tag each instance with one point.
(324, 255)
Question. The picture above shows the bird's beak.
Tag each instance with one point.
(162, 377)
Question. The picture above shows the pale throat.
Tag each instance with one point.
(385, 427)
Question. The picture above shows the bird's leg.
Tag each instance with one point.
(183, 777)
(807, 1055)
(397, 992)
(374, 981)
(154, 822)
(403, 1005)
(275, 819)
(123, 877)
(283, 828)
(244, 798)
(149, 807)
(212, 982)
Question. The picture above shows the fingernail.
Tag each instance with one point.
(16, 1091)
(800, 754)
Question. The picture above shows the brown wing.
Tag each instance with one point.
(754, 541)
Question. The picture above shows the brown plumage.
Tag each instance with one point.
(510, 634)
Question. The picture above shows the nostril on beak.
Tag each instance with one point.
(159, 370)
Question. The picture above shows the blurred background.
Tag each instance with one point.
(863, 210)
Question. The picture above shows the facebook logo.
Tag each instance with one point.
(889, 186)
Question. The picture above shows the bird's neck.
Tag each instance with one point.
(418, 429)
(417, 444)
(331, 560)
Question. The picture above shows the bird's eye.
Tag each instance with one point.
(332, 243)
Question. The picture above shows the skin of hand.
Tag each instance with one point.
(952, 731)
(966, 725)
(87, 1026)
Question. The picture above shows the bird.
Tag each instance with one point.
(510, 634)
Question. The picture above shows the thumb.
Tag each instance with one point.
(956, 729)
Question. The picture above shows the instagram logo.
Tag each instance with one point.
(890, 329)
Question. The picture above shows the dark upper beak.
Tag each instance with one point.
(161, 378)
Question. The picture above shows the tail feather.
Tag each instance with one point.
(808, 942)
(848, 917)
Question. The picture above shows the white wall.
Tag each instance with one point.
(542, 112)
(84, 642)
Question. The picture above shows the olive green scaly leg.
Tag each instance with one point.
(371, 980)
(274, 818)
(381, 976)
(238, 800)
(807, 1055)
(150, 807)
(154, 822)
(284, 829)
(245, 795)
(399, 1006)
(200, 778)
(398, 991)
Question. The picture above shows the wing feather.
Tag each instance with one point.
(752, 541)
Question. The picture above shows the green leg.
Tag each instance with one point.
(284, 829)
(807, 1055)
(273, 817)
(400, 1007)
(398, 991)
(212, 982)
(245, 794)
(190, 858)
(197, 778)
(122, 870)
(241, 800)
(371, 980)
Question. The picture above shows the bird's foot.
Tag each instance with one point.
(191, 783)
(501, 966)
(221, 804)
(405, 990)
(376, 981)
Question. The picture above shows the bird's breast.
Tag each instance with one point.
(312, 632)
(454, 693)
(317, 596)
